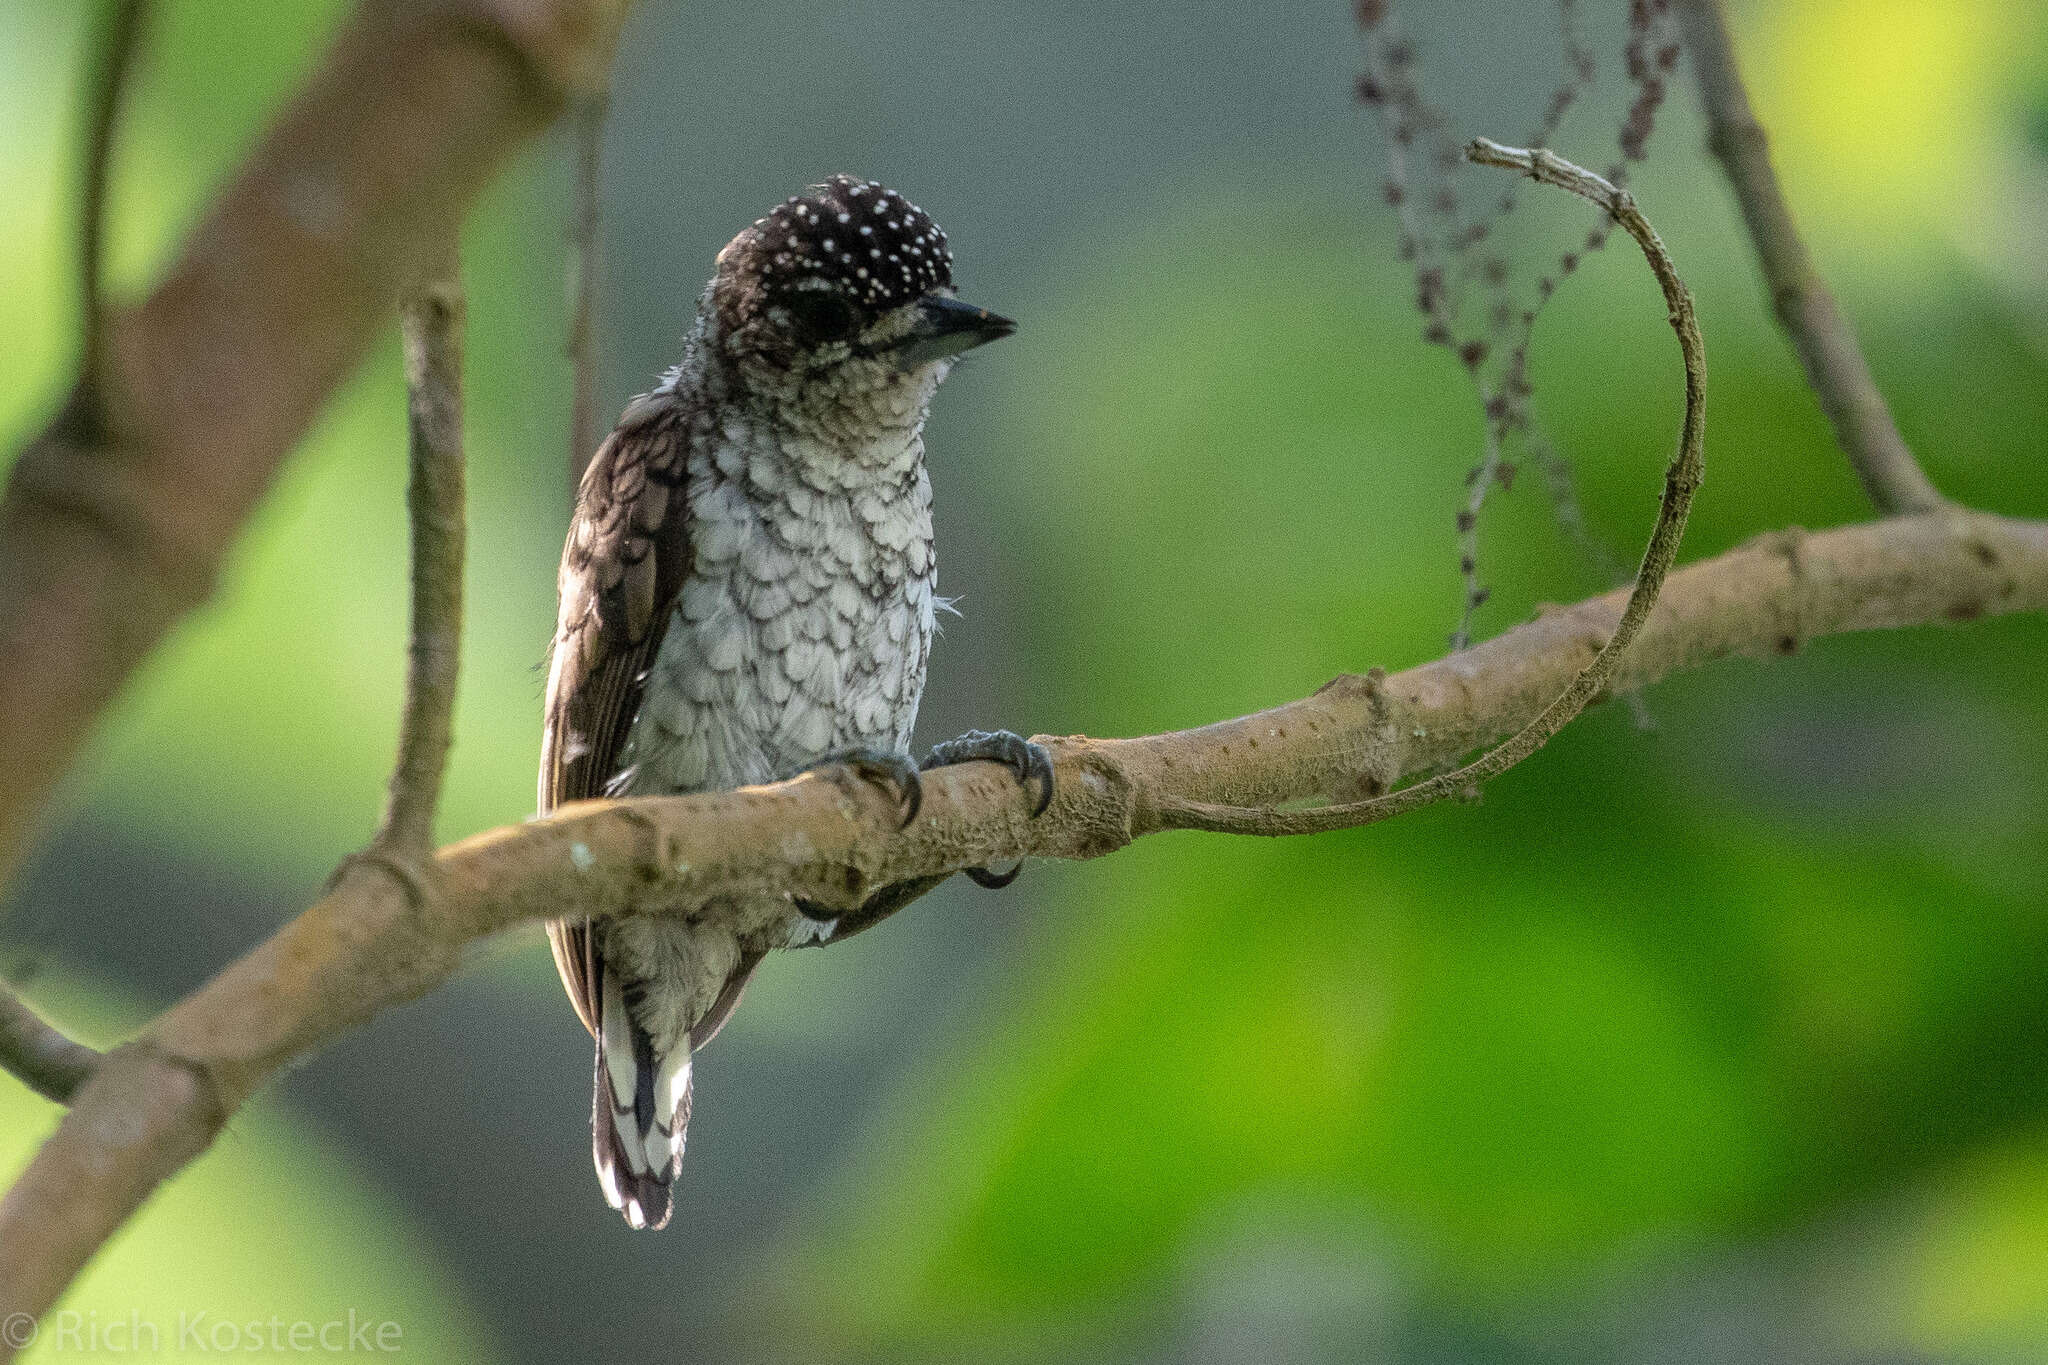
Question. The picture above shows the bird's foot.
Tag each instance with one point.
(896, 774)
(893, 772)
(1028, 762)
(872, 911)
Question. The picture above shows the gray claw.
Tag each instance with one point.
(1029, 762)
(993, 881)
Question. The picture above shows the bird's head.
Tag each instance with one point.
(842, 298)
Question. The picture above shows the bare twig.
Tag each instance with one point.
(1680, 482)
(107, 538)
(154, 1104)
(36, 1053)
(1834, 363)
(584, 241)
(108, 86)
(430, 325)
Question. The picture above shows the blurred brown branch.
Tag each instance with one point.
(31, 1049)
(372, 942)
(40, 1056)
(115, 519)
(1834, 363)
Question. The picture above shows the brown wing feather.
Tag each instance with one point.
(627, 551)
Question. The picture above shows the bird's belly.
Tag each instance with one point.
(734, 699)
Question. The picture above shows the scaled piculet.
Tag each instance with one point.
(748, 591)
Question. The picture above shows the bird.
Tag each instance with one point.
(748, 591)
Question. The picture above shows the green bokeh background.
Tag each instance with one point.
(1721, 1039)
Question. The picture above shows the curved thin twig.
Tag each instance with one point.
(1681, 480)
(36, 1053)
(1834, 363)
(430, 328)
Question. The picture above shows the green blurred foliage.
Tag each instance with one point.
(309, 590)
(277, 1222)
(1662, 992)
(1766, 976)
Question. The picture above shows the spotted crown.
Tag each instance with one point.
(867, 239)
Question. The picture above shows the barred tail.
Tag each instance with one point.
(639, 1110)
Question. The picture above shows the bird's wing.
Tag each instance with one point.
(624, 562)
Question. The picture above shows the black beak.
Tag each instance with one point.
(946, 327)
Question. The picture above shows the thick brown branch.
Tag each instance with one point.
(1834, 363)
(1681, 480)
(38, 1055)
(373, 942)
(112, 530)
(430, 326)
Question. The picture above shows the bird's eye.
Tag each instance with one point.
(823, 315)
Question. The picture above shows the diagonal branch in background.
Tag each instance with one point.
(1834, 363)
(1681, 481)
(156, 1103)
(31, 1048)
(109, 536)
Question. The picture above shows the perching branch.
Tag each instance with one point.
(112, 530)
(430, 328)
(1834, 363)
(273, 304)
(154, 1104)
(1681, 480)
(583, 254)
(35, 1053)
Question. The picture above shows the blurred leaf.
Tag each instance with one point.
(1957, 1267)
(1879, 110)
